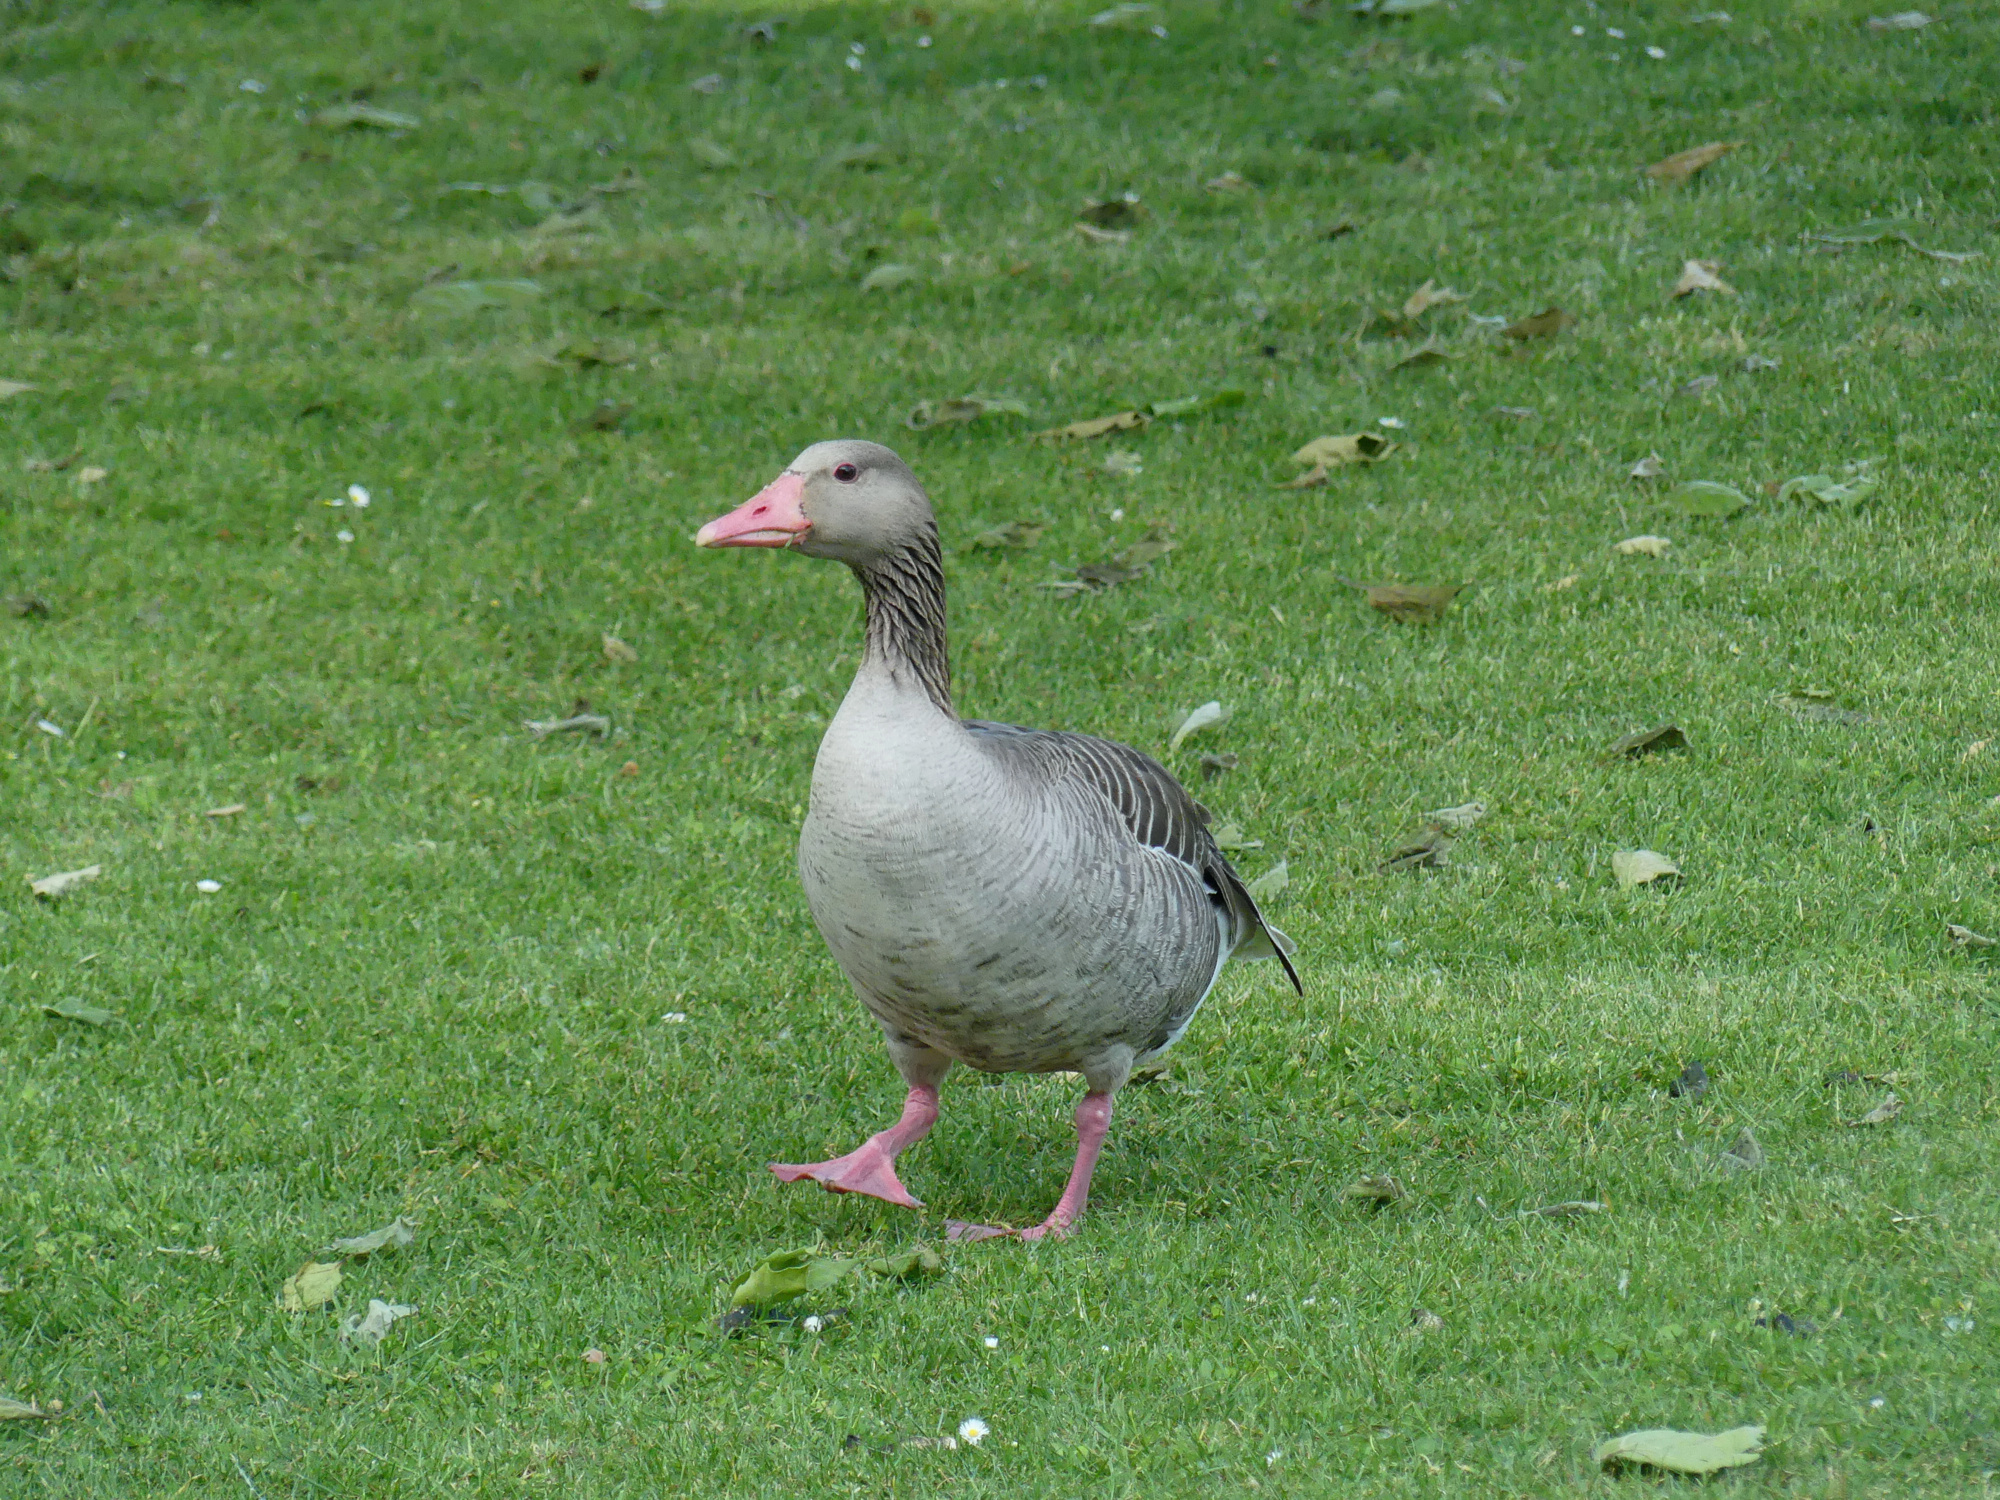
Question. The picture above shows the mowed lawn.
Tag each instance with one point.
(556, 284)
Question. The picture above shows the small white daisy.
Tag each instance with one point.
(972, 1431)
(991, 1342)
(675, 1018)
(814, 1324)
(1614, 33)
(208, 887)
(1389, 422)
(1576, 31)
(1658, 54)
(1876, 1403)
(358, 495)
(854, 63)
(345, 536)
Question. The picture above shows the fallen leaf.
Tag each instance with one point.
(595, 724)
(1643, 867)
(12, 388)
(92, 474)
(1185, 406)
(1973, 751)
(1271, 884)
(395, 1235)
(1650, 742)
(1643, 546)
(1418, 359)
(1682, 165)
(1124, 463)
(370, 1329)
(1700, 276)
(794, 1273)
(963, 409)
(1208, 714)
(617, 650)
(1965, 937)
(51, 886)
(1682, 1452)
(1513, 413)
(1228, 182)
(1816, 704)
(1575, 1209)
(1704, 497)
(1354, 448)
(1691, 1084)
(1545, 324)
(1698, 387)
(1753, 364)
(1649, 467)
(1902, 20)
(76, 1010)
(1381, 1190)
(469, 296)
(1011, 536)
(1428, 296)
(227, 812)
(606, 416)
(1409, 603)
(25, 1411)
(1096, 427)
(1882, 1113)
(1431, 850)
(1113, 213)
(1312, 479)
(1744, 1154)
(1786, 1323)
(312, 1285)
(1230, 836)
(1213, 764)
(888, 275)
(358, 115)
(1122, 567)
(1458, 819)
(1422, 1319)
(1567, 581)
(1828, 490)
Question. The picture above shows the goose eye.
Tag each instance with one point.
(846, 473)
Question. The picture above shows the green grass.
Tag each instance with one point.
(433, 979)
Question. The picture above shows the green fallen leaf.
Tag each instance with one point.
(1643, 867)
(1012, 536)
(1231, 836)
(1650, 741)
(359, 116)
(12, 388)
(470, 296)
(1704, 497)
(391, 1236)
(1683, 1452)
(312, 1285)
(369, 1329)
(1185, 406)
(1208, 714)
(1353, 448)
(962, 409)
(795, 1273)
(1271, 884)
(884, 277)
(1828, 490)
(76, 1010)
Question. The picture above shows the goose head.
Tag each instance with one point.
(853, 501)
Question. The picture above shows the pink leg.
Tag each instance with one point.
(872, 1168)
(1093, 1120)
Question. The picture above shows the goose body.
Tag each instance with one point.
(1018, 900)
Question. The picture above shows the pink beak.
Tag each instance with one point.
(770, 518)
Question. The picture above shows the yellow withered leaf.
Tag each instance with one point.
(1682, 165)
(1354, 448)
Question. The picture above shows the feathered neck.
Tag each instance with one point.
(903, 602)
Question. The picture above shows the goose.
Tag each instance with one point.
(1018, 900)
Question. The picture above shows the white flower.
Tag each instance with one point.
(923, 41)
(345, 536)
(358, 495)
(854, 63)
(991, 1342)
(1389, 422)
(1876, 1403)
(675, 1017)
(857, 49)
(252, 86)
(209, 887)
(814, 1324)
(1614, 33)
(972, 1431)
(1576, 31)
(1271, 1458)
(1658, 54)
(1118, 513)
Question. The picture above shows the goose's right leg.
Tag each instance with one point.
(871, 1168)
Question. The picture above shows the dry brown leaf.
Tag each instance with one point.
(1545, 324)
(1409, 603)
(1354, 448)
(1096, 427)
(1428, 296)
(1700, 276)
(1417, 359)
(1682, 165)
(1643, 546)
